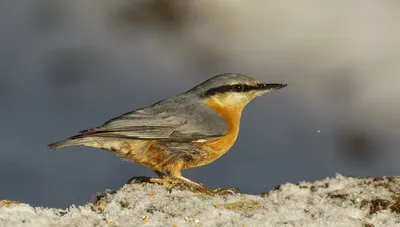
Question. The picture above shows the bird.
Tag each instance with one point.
(188, 130)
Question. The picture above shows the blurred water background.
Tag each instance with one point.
(71, 65)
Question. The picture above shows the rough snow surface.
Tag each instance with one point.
(339, 201)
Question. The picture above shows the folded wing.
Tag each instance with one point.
(145, 125)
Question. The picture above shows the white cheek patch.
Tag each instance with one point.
(237, 97)
(233, 99)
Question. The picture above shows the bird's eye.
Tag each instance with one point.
(238, 88)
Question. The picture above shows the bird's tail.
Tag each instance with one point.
(72, 141)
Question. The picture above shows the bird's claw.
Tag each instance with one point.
(184, 186)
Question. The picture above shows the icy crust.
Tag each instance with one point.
(339, 201)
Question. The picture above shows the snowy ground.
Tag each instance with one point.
(339, 201)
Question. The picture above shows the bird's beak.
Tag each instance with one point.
(264, 88)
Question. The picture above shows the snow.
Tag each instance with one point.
(339, 201)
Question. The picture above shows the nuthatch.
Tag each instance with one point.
(185, 131)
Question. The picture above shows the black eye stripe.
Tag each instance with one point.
(231, 88)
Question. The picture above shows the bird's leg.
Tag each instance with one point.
(164, 179)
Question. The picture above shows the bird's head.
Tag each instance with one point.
(232, 89)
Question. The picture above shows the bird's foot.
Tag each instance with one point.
(165, 181)
(183, 184)
(171, 184)
(188, 186)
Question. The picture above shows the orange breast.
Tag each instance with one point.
(231, 114)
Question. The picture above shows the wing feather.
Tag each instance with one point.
(147, 125)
